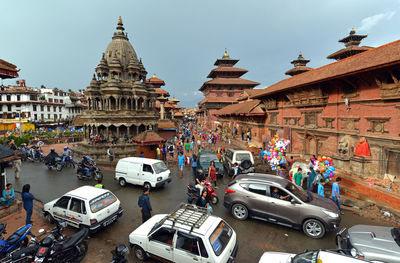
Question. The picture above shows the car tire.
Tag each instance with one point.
(122, 182)
(240, 211)
(147, 185)
(49, 218)
(139, 253)
(314, 228)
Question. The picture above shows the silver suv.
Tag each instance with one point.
(243, 158)
(277, 200)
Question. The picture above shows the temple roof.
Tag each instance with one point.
(160, 91)
(247, 93)
(351, 42)
(229, 81)
(165, 124)
(226, 60)
(148, 138)
(297, 70)
(379, 57)
(218, 100)
(155, 80)
(245, 108)
(238, 71)
(8, 70)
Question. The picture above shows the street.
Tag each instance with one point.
(255, 237)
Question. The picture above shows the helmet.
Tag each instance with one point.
(121, 250)
(52, 150)
(65, 148)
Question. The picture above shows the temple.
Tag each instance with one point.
(223, 89)
(351, 43)
(120, 102)
(299, 66)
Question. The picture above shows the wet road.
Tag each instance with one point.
(255, 237)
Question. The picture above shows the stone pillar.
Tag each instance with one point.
(137, 130)
(172, 114)
(97, 130)
(126, 105)
(127, 130)
(162, 111)
(136, 104)
(119, 103)
(107, 131)
(118, 131)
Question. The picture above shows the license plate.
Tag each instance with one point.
(110, 221)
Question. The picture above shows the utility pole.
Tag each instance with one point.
(20, 124)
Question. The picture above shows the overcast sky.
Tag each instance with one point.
(59, 43)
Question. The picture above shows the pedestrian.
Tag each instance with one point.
(110, 154)
(311, 181)
(290, 162)
(27, 200)
(181, 163)
(212, 173)
(203, 201)
(171, 150)
(336, 194)
(141, 154)
(144, 204)
(187, 146)
(242, 135)
(321, 189)
(280, 171)
(194, 166)
(8, 196)
(158, 150)
(192, 145)
(298, 177)
(17, 167)
(164, 153)
(235, 170)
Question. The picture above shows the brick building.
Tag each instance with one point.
(223, 89)
(325, 111)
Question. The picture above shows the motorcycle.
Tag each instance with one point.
(17, 240)
(72, 249)
(119, 254)
(94, 173)
(3, 230)
(56, 165)
(194, 193)
(37, 158)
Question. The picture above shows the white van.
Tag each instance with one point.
(142, 171)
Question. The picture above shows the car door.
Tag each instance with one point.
(285, 211)
(148, 174)
(161, 243)
(76, 212)
(60, 208)
(134, 171)
(187, 249)
(257, 200)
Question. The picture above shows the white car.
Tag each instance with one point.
(86, 206)
(316, 256)
(142, 171)
(188, 234)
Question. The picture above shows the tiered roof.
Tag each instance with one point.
(383, 56)
(148, 138)
(299, 66)
(8, 70)
(351, 42)
(246, 108)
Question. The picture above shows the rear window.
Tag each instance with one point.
(242, 156)
(160, 167)
(219, 239)
(99, 203)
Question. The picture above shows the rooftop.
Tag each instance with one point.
(218, 100)
(230, 82)
(148, 138)
(8, 70)
(155, 80)
(87, 192)
(247, 108)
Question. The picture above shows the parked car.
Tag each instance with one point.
(204, 162)
(315, 256)
(188, 234)
(253, 195)
(86, 206)
(243, 158)
(142, 171)
(374, 243)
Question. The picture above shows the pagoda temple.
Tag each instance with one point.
(120, 102)
(225, 86)
(299, 66)
(8, 70)
(351, 43)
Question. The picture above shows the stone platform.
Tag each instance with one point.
(99, 151)
(13, 208)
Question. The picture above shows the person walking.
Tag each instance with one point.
(194, 165)
(17, 167)
(187, 147)
(298, 177)
(336, 194)
(212, 173)
(321, 188)
(144, 204)
(27, 200)
(181, 163)
(110, 154)
(164, 153)
(171, 150)
(311, 181)
(235, 170)
(158, 153)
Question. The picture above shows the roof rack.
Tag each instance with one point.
(189, 215)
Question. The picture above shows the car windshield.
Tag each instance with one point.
(242, 156)
(160, 167)
(208, 158)
(298, 192)
(102, 202)
(219, 239)
(307, 257)
(396, 235)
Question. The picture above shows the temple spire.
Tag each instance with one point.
(120, 25)
(226, 55)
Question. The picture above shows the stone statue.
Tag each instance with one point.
(344, 146)
(363, 148)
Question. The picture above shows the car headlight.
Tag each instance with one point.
(159, 179)
(355, 253)
(330, 214)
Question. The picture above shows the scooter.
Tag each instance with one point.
(94, 173)
(194, 193)
(119, 254)
(15, 241)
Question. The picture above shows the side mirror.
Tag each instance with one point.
(40, 231)
(293, 201)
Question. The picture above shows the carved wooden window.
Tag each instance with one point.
(273, 132)
(349, 124)
(311, 119)
(377, 125)
(273, 118)
(329, 123)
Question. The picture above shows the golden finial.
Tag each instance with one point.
(225, 54)
(154, 75)
(300, 55)
(120, 21)
(353, 31)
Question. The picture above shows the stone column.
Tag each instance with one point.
(162, 111)
(97, 130)
(118, 131)
(127, 130)
(136, 104)
(137, 130)
(126, 104)
(119, 103)
(107, 131)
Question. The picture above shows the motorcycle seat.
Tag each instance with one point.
(75, 238)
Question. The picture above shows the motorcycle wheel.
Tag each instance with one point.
(214, 200)
(49, 167)
(80, 255)
(98, 175)
(59, 167)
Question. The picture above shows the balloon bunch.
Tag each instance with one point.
(276, 151)
(325, 166)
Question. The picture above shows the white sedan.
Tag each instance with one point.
(316, 256)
